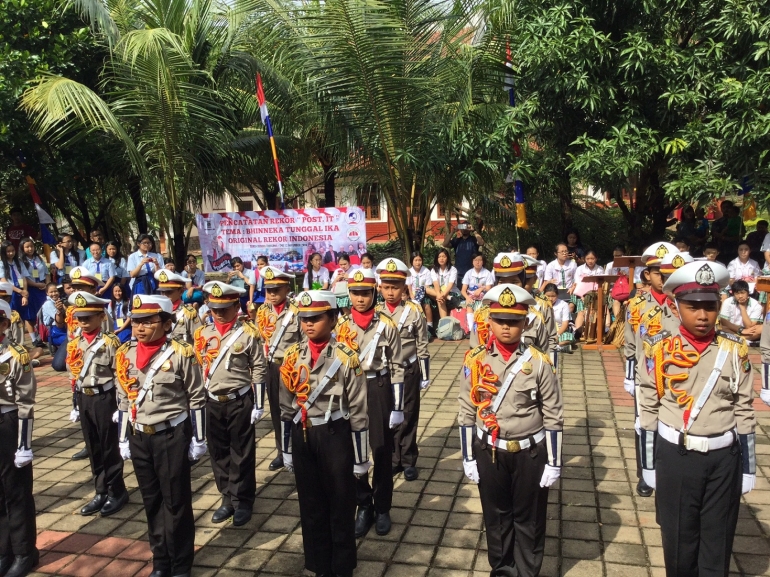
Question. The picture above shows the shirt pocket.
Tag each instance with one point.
(239, 359)
(525, 393)
(103, 367)
(166, 386)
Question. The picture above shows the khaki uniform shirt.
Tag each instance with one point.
(533, 401)
(245, 361)
(535, 332)
(186, 323)
(764, 341)
(16, 332)
(176, 388)
(270, 326)
(101, 370)
(643, 319)
(388, 349)
(17, 381)
(345, 391)
(724, 408)
(414, 331)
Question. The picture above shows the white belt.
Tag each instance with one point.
(511, 446)
(230, 396)
(91, 391)
(8, 409)
(375, 374)
(410, 360)
(152, 429)
(695, 443)
(316, 421)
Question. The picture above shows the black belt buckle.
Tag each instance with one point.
(532, 447)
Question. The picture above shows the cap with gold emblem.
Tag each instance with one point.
(222, 295)
(273, 277)
(508, 301)
(80, 275)
(149, 305)
(697, 281)
(655, 253)
(392, 269)
(313, 303)
(6, 289)
(5, 310)
(530, 265)
(362, 279)
(86, 304)
(508, 264)
(168, 280)
(673, 261)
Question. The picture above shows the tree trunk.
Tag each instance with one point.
(180, 244)
(271, 197)
(330, 176)
(135, 194)
(565, 199)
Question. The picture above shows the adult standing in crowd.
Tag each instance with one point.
(142, 265)
(19, 229)
(96, 236)
(755, 240)
(466, 242)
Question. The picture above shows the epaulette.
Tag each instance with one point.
(544, 300)
(380, 307)
(182, 348)
(189, 312)
(539, 355)
(387, 320)
(481, 314)
(123, 349)
(348, 356)
(537, 313)
(415, 307)
(111, 339)
(730, 341)
(652, 343)
(292, 350)
(293, 307)
(476, 354)
(251, 329)
(19, 353)
(638, 299)
(15, 317)
(342, 320)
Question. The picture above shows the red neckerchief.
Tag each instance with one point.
(316, 347)
(700, 344)
(279, 308)
(176, 304)
(90, 336)
(659, 297)
(392, 308)
(363, 320)
(145, 352)
(505, 350)
(224, 328)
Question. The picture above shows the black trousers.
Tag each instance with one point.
(514, 507)
(163, 471)
(102, 438)
(380, 404)
(273, 387)
(233, 449)
(637, 436)
(405, 450)
(323, 469)
(18, 531)
(697, 498)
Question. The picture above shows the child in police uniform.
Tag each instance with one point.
(233, 363)
(186, 319)
(91, 363)
(325, 435)
(415, 358)
(697, 425)
(278, 324)
(374, 337)
(162, 429)
(511, 426)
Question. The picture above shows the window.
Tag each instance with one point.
(368, 196)
(440, 212)
(245, 205)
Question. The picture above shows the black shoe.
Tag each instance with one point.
(364, 520)
(114, 504)
(241, 517)
(95, 505)
(160, 573)
(80, 455)
(396, 469)
(23, 564)
(643, 489)
(411, 474)
(222, 514)
(276, 463)
(382, 524)
(5, 564)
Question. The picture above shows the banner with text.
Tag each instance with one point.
(286, 237)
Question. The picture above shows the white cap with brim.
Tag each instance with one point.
(314, 303)
(222, 295)
(149, 305)
(697, 281)
(85, 304)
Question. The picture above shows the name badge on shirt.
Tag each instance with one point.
(35, 274)
(67, 268)
(98, 275)
(21, 282)
(120, 323)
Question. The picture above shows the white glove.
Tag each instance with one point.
(649, 477)
(764, 394)
(628, 385)
(256, 414)
(638, 426)
(424, 384)
(197, 450)
(550, 475)
(74, 415)
(471, 470)
(24, 457)
(396, 418)
(288, 462)
(115, 416)
(748, 482)
(125, 450)
(362, 469)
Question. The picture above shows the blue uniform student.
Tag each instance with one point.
(120, 312)
(102, 268)
(119, 264)
(65, 258)
(193, 294)
(57, 336)
(142, 265)
(13, 271)
(35, 286)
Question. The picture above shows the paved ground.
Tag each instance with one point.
(597, 525)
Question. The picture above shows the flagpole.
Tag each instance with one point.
(269, 126)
